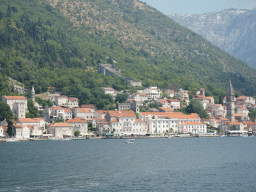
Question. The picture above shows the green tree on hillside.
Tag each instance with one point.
(121, 98)
(196, 107)
(11, 129)
(5, 111)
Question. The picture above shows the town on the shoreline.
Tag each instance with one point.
(66, 118)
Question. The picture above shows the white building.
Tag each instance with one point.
(39, 122)
(163, 122)
(72, 102)
(60, 130)
(79, 124)
(174, 103)
(152, 93)
(3, 128)
(124, 123)
(22, 132)
(109, 90)
(53, 113)
(85, 113)
(193, 128)
(61, 100)
(18, 104)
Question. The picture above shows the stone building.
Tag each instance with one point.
(230, 102)
(133, 82)
(18, 104)
(109, 69)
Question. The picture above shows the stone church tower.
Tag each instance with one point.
(33, 94)
(230, 102)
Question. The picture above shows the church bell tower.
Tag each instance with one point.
(230, 102)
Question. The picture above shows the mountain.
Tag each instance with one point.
(59, 43)
(233, 30)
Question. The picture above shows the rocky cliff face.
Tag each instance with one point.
(232, 30)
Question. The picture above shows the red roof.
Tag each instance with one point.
(15, 97)
(192, 123)
(76, 120)
(122, 113)
(30, 120)
(67, 110)
(242, 97)
(60, 125)
(57, 108)
(177, 115)
(83, 110)
(72, 99)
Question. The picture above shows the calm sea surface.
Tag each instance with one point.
(176, 164)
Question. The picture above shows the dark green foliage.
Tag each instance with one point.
(154, 105)
(41, 47)
(33, 111)
(5, 111)
(43, 102)
(11, 129)
(252, 114)
(121, 98)
(196, 107)
(77, 133)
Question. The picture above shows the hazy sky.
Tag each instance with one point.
(185, 7)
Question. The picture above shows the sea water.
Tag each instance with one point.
(174, 164)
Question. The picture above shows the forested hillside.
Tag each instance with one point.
(56, 43)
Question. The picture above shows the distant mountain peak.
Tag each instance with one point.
(233, 30)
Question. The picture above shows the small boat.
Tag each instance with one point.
(11, 141)
(66, 139)
(223, 136)
(130, 141)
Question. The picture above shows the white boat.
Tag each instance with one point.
(223, 136)
(130, 141)
(66, 139)
(11, 140)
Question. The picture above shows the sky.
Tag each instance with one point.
(185, 7)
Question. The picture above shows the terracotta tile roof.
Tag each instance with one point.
(234, 123)
(168, 109)
(102, 111)
(242, 97)
(249, 123)
(88, 106)
(32, 127)
(62, 96)
(122, 113)
(223, 118)
(208, 97)
(15, 97)
(30, 120)
(107, 88)
(192, 123)
(83, 110)
(60, 125)
(175, 115)
(72, 99)
(114, 120)
(67, 110)
(76, 120)
(138, 120)
(239, 114)
(57, 108)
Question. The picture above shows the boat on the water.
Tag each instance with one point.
(130, 141)
(223, 136)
